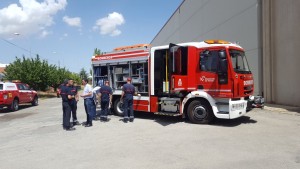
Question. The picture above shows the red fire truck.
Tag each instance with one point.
(198, 80)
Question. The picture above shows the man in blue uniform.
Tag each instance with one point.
(73, 101)
(127, 97)
(66, 96)
(105, 95)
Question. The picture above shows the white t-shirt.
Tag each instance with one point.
(87, 89)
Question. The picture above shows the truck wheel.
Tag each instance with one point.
(14, 105)
(118, 107)
(35, 101)
(200, 112)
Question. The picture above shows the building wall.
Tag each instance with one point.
(281, 44)
(231, 20)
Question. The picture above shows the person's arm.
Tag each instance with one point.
(76, 96)
(69, 93)
(110, 99)
(99, 95)
(122, 95)
(71, 96)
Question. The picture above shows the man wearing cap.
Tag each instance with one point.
(66, 96)
(105, 95)
(128, 91)
(87, 95)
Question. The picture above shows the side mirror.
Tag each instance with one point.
(204, 54)
(222, 54)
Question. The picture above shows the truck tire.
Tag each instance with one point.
(200, 112)
(118, 107)
(35, 101)
(14, 105)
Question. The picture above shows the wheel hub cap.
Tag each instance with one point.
(200, 112)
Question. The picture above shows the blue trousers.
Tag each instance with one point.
(104, 108)
(73, 105)
(89, 107)
(128, 105)
(66, 114)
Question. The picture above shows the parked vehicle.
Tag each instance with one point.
(198, 80)
(12, 94)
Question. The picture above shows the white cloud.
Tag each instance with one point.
(108, 25)
(76, 21)
(30, 17)
(44, 33)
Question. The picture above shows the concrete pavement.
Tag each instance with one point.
(33, 138)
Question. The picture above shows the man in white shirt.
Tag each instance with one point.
(89, 103)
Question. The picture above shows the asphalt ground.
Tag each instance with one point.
(33, 138)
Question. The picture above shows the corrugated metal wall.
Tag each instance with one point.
(281, 44)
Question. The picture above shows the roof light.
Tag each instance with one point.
(216, 42)
(123, 48)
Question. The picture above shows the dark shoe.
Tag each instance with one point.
(103, 119)
(70, 128)
(84, 123)
(76, 123)
(131, 120)
(125, 120)
(89, 125)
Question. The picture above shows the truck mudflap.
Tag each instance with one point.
(249, 105)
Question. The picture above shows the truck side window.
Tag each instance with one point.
(209, 61)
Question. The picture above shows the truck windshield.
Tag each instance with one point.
(239, 61)
(1, 86)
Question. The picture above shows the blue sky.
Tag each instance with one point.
(66, 32)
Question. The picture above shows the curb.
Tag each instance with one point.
(282, 108)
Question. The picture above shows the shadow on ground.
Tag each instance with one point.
(234, 122)
(8, 115)
(162, 120)
(167, 120)
(7, 111)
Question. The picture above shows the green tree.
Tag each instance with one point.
(39, 74)
(34, 72)
(83, 74)
(97, 52)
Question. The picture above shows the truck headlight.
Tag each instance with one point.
(5, 96)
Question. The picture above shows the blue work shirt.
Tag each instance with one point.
(65, 91)
(73, 92)
(105, 92)
(129, 91)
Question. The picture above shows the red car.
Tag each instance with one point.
(13, 94)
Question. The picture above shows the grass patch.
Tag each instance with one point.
(45, 95)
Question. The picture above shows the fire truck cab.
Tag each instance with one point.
(198, 80)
